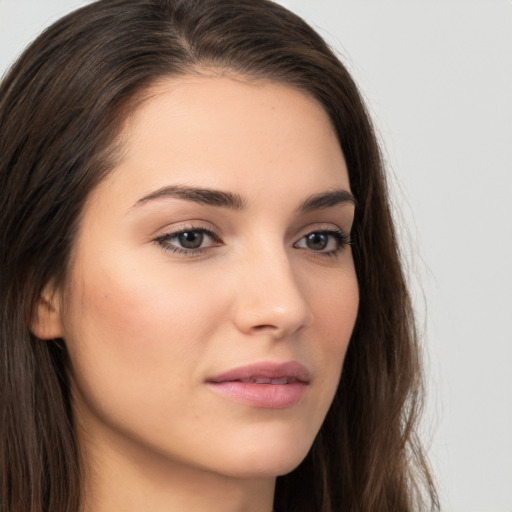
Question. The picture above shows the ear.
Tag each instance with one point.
(46, 320)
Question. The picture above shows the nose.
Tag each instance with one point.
(270, 300)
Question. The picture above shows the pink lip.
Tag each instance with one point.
(267, 385)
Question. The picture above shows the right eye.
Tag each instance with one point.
(191, 240)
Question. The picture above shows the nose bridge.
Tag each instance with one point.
(270, 297)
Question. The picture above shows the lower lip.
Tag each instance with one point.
(266, 396)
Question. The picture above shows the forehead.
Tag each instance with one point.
(225, 132)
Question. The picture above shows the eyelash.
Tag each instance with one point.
(342, 240)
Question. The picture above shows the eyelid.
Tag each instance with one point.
(317, 227)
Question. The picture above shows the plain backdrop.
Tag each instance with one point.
(438, 78)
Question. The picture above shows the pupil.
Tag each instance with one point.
(317, 241)
(191, 240)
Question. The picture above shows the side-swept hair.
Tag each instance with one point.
(62, 106)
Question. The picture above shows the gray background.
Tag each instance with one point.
(438, 77)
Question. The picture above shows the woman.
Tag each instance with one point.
(203, 306)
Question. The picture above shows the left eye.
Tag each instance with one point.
(324, 241)
(188, 240)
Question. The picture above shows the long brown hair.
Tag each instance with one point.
(62, 105)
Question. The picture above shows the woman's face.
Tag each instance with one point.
(212, 291)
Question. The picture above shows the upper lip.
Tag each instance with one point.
(291, 370)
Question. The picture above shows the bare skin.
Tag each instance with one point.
(168, 289)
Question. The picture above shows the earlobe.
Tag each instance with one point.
(46, 320)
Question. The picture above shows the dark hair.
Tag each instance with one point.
(62, 107)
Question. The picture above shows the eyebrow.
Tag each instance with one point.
(205, 196)
(327, 200)
(233, 201)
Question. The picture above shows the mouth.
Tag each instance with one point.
(263, 385)
(266, 380)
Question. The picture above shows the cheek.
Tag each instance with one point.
(335, 306)
(139, 306)
(335, 311)
(137, 329)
